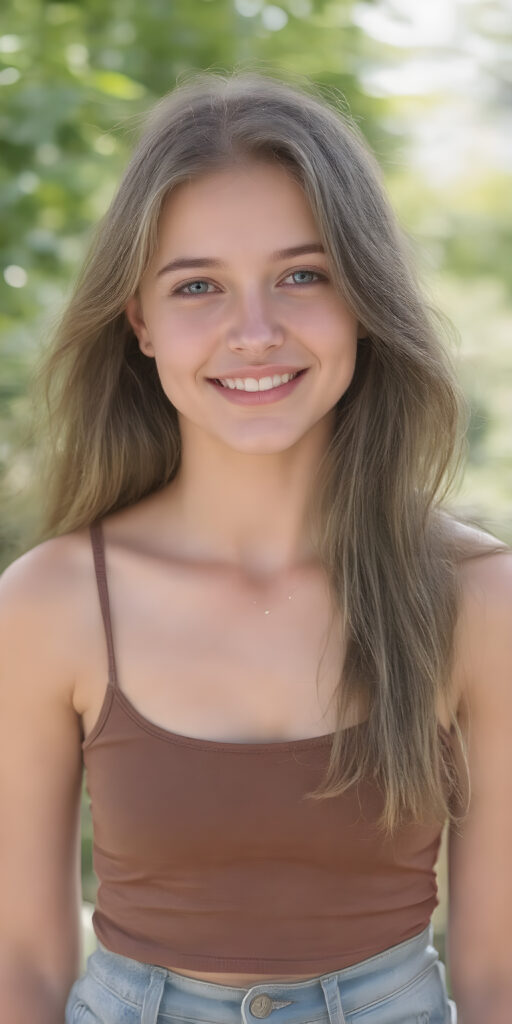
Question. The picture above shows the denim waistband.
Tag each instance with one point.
(155, 990)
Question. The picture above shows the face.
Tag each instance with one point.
(244, 308)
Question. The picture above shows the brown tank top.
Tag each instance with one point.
(208, 858)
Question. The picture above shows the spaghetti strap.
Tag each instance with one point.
(98, 550)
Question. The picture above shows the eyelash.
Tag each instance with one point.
(192, 295)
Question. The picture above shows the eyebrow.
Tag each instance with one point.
(208, 261)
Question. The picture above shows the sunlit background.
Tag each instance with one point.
(430, 85)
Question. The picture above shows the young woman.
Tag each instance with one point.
(253, 428)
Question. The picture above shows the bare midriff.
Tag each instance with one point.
(241, 980)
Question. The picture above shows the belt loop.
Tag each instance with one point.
(153, 996)
(332, 998)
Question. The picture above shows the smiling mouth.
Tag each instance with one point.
(275, 387)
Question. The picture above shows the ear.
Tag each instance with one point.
(133, 310)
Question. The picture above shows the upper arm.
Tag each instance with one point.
(40, 774)
(480, 875)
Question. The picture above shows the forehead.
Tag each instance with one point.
(253, 198)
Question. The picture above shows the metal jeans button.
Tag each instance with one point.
(261, 1005)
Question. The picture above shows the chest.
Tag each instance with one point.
(206, 654)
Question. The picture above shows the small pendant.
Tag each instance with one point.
(267, 610)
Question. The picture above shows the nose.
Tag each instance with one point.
(255, 329)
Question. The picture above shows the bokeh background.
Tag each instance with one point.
(430, 86)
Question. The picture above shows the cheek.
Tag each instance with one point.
(337, 340)
(179, 346)
(182, 336)
(344, 370)
(338, 354)
(331, 322)
(180, 360)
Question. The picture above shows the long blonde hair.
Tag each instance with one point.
(110, 436)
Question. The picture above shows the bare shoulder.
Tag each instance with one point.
(485, 569)
(41, 593)
(484, 628)
(47, 571)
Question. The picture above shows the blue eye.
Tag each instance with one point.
(305, 272)
(180, 291)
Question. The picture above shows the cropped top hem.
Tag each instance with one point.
(159, 956)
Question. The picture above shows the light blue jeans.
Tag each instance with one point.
(405, 984)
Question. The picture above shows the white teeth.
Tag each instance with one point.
(252, 384)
